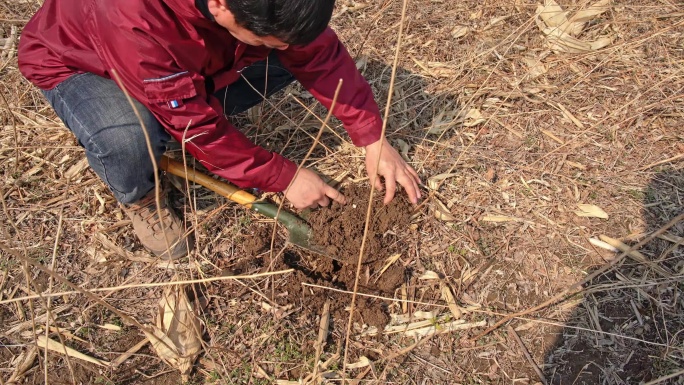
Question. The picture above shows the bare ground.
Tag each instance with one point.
(508, 136)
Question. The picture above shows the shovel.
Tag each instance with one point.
(298, 230)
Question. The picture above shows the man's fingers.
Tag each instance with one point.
(335, 195)
(411, 187)
(391, 189)
(414, 174)
(378, 183)
(324, 201)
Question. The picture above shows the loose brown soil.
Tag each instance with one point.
(340, 230)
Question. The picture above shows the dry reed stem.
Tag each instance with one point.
(150, 152)
(53, 345)
(322, 336)
(670, 249)
(373, 296)
(128, 353)
(373, 179)
(192, 204)
(14, 131)
(143, 285)
(48, 304)
(522, 346)
(306, 157)
(635, 255)
(664, 161)
(662, 379)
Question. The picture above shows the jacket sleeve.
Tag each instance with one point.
(319, 66)
(178, 99)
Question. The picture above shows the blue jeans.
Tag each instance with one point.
(98, 113)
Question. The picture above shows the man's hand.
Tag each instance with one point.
(393, 168)
(309, 191)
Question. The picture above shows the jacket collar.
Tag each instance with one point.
(189, 11)
(203, 7)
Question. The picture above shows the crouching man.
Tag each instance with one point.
(188, 64)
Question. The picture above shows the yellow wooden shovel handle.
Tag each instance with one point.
(225, 189)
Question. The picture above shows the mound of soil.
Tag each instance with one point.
(339, 229)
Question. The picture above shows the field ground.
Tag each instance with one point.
(512, 285)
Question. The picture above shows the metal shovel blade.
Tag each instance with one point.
(300, 233)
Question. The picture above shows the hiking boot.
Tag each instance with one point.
(150, 229)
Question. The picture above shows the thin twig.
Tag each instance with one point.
(187, 188)
(143, 285)
(522, 346)
(306, 157)
(322, 336)
(49, 316)
(665, 378)
(658, 163)
(373, 179)
(14, 130)
(153, 159)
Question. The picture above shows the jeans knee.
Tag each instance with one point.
(120, 156)
(101, 118)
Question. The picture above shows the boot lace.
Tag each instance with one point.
(146, 209)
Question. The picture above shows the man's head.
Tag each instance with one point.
(273, 23)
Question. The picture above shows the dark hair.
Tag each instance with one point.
(291, 21)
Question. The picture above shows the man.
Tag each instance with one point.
(188, 64)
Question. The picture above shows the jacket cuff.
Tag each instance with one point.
(284, 176)
(367, 133)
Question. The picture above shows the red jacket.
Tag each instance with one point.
(164, 50)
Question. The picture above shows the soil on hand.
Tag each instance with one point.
(340, 229)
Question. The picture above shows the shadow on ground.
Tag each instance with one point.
(605, 340)
(417, 115)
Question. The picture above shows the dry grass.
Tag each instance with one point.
(521, 135)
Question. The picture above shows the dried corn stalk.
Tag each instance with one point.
(473, 117)
(441, 211)
(561, 29)
(449, 298)
(22, 364)
(447, 295)
(591, 211)
(176, 337)
(55, 346)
